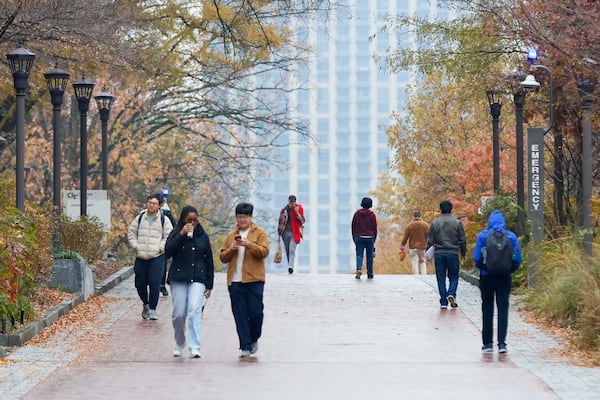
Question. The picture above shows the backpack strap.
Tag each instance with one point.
(162, 218)
(140, 218)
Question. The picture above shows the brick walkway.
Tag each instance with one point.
(324, 337)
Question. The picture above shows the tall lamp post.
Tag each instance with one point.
(83, 91)
(519, 100)
(495, 109)
(586, 88)
(56, 80)
(104, 102)
(20, 62)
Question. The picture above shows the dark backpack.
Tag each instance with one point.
(169, 214)
(497, 253)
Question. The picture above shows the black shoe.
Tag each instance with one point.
(291, 270)
(164, 291)
(452, 301)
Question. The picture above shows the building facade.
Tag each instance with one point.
(347, 103)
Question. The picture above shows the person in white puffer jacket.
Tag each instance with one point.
(147, 235)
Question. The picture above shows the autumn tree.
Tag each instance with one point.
(201, 92)
(488, 39)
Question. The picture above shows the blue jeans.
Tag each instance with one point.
(364, 246)
(188, 301)
(247, 308)
(500, 287)
(446, 264)
(290, 247)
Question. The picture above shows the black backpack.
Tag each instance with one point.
(497, 253)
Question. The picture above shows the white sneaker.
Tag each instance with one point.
(244, 354)
(253, 347)
(195, 353)
(177, 351)
(152, 315)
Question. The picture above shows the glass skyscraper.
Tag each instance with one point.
(347, 102)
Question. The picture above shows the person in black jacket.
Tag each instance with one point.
(191, 278)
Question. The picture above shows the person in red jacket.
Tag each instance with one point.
(364, 234)
(290, 228)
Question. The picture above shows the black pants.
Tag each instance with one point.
(498, 287)
(148, 274)
(247, 307)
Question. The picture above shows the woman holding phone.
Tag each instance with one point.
(191, 278)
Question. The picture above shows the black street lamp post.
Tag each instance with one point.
(519, 100)
(586, 88)
(495, 109)
(20, 62)
(83, 91)
(56, 80)
(104, 102)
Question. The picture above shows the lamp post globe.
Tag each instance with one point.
(20, 62)
(104, 101)
(83, 92)
(56, 80)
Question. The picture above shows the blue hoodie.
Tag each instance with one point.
(496, 223)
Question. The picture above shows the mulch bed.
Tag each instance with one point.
(47, 298)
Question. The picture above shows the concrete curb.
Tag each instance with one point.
(34, 328)
(473, 280)
(114, 280)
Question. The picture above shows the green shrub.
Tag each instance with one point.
(25, 251)
(83, 236)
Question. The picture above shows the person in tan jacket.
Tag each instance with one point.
(245, 249)
(415, 234)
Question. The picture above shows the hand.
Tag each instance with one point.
(187, 228)
(207, 293)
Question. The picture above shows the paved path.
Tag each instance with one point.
(324, 337)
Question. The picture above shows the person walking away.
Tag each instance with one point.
(364, 234)
(191, 278)
(147, 235)
(245, 249)
(290, 229)
(497, 254)
(166, 211)
(415, 234)
(447, 236)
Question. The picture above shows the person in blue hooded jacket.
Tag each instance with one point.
(495, 285)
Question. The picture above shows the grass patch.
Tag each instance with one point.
(568, 291)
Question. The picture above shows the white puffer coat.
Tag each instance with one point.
(148, 238)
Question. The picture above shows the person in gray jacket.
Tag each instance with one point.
(447, 236)
(147, 235)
